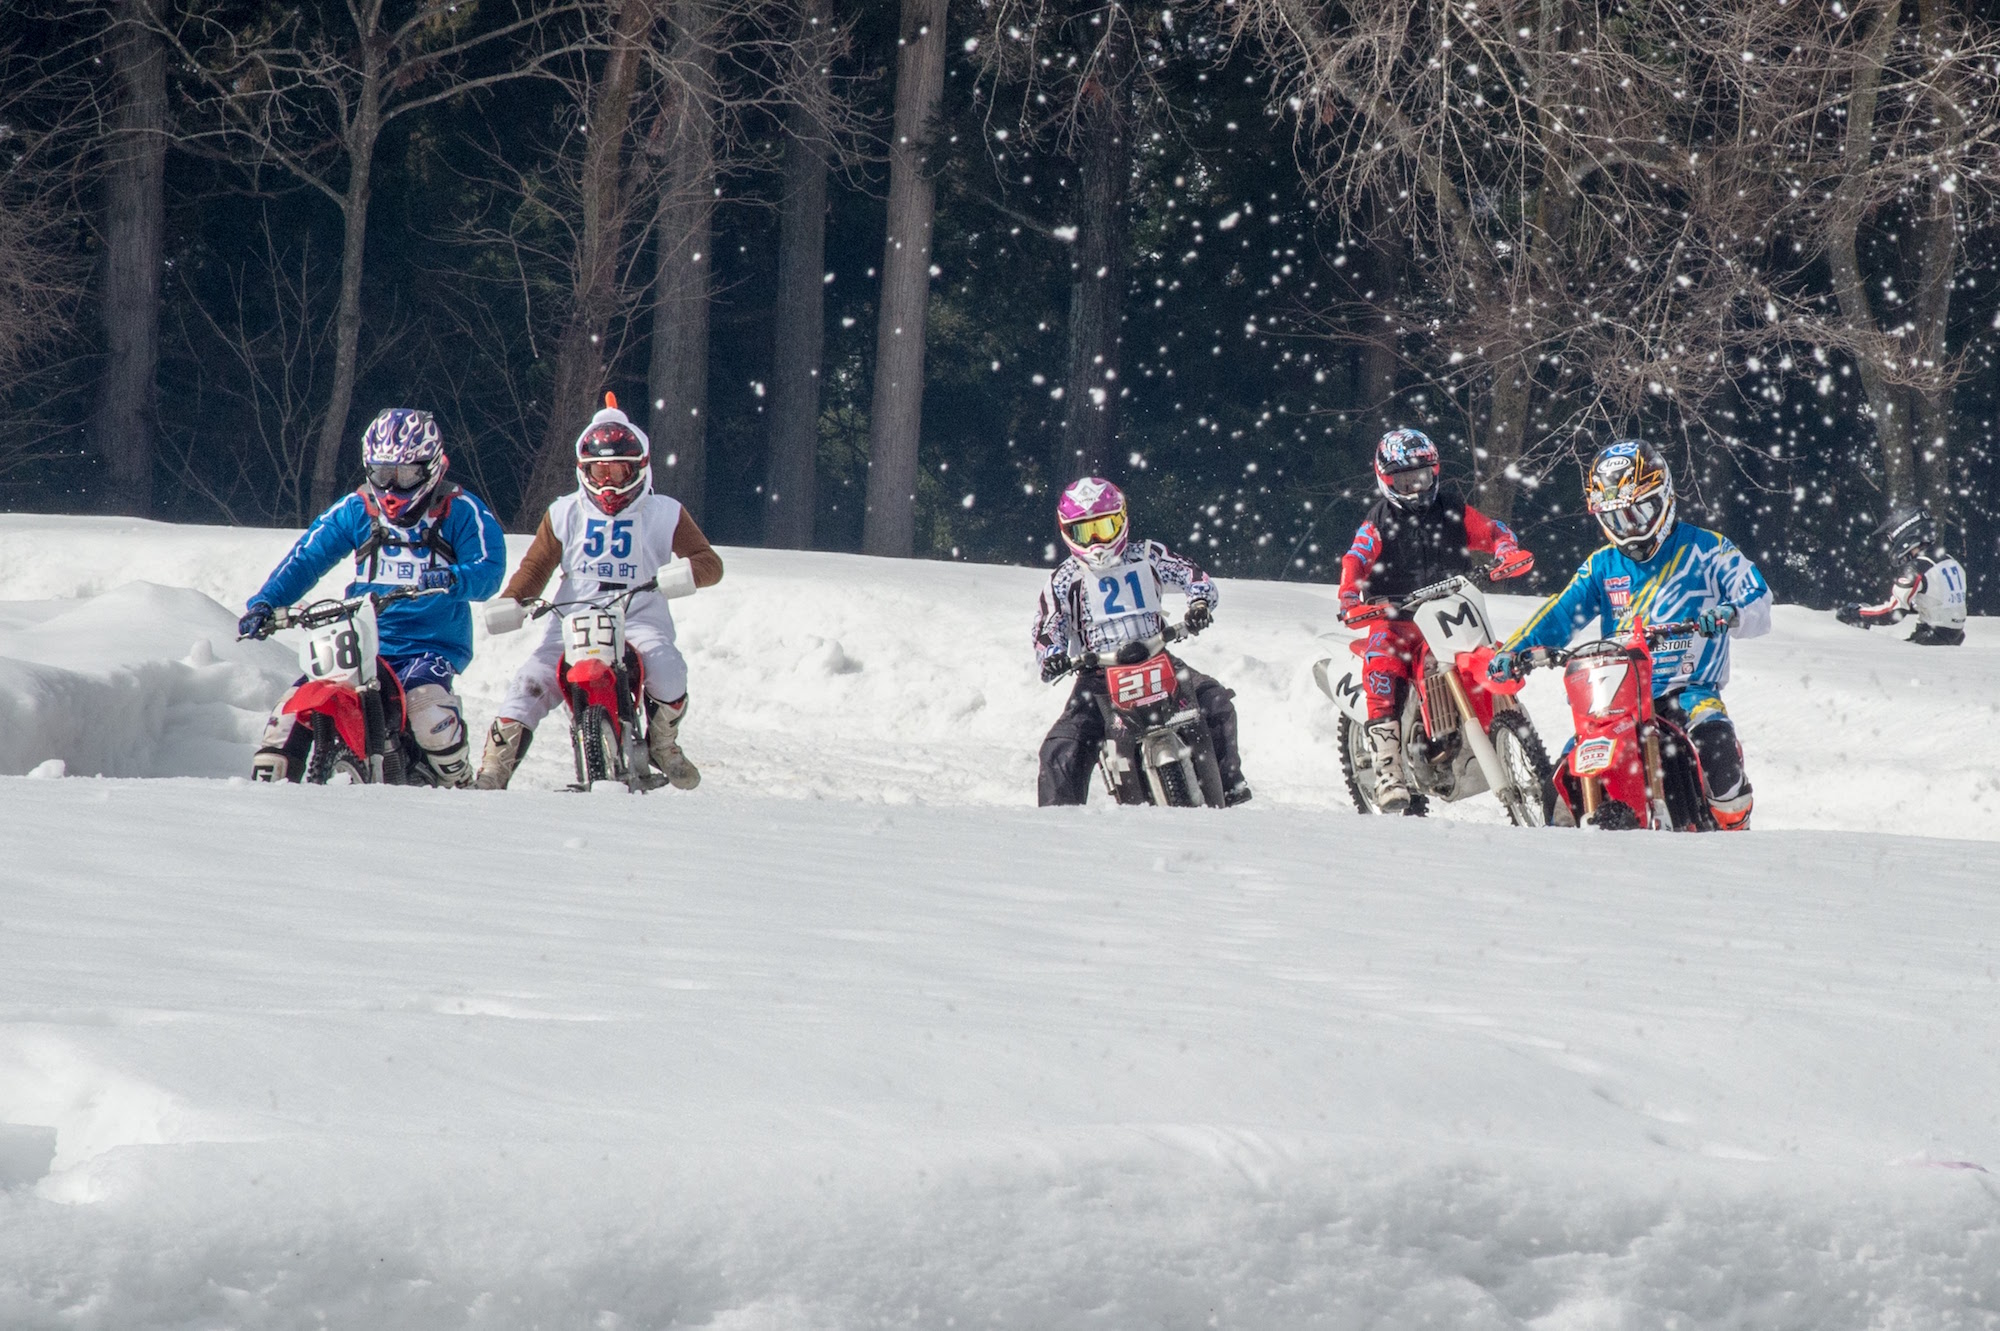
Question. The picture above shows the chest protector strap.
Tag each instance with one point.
(431, 541)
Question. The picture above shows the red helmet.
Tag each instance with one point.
(613, 459)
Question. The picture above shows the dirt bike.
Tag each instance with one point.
(601, 677)
(1631, 767)
(1462, 735)
(351, 701)
(1157, 749)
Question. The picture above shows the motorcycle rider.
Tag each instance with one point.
(1107, 593)
(612, 531)
(1666, 570)
(406, 527)
(1929, 584)
(1420, 531)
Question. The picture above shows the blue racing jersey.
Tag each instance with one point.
(1692, 570)
(458, 532)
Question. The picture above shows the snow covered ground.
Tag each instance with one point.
(852, 1038)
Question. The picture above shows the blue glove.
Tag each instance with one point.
(439, 579)
(1717, 620)
(1506, 667)
(256, 622)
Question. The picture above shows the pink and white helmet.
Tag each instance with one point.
(1091, 516)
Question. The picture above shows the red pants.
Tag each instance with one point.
(1393, 648)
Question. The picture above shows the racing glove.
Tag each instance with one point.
(1197, 617)
(440, 579)
(1851, 614)
(256, 622)
(1506, 667)
(1717, 620)
(1054, 666)
(1366, 612)
(1513, 564)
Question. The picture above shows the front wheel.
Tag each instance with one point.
(1357, 763)
(331, 762)
(597, 741)
(1526, 764)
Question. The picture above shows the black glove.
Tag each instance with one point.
(1197, 617)
(255, 623)
(1054, 667)
(1851, 614)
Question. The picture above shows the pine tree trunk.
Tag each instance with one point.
(1380, 362)
(895, 418)
(1936, 238)
(677, 377)
(1504, 438)
(125, 417)
(790, 488)
(361, 135)
(580, 364)
(1097, 291)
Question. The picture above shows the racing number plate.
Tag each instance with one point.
(1594, 755)
(1137, 685)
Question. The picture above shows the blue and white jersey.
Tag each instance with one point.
(1100, 608)
(1692, 570)
(459, 533)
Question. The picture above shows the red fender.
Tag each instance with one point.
(340, 703)
(1472, 665)
(599, 683)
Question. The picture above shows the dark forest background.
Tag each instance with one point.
(1760, 234)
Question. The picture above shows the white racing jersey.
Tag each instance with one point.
(1931, 589)
(1085, 608)
(608, 554)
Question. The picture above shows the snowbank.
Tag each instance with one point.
(285, 1058)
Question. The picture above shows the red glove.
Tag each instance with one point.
(1512, 564)
(1364, 613)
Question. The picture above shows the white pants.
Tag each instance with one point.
(535, 691)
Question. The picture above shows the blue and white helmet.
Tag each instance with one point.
(403, 455)
(1407, 467)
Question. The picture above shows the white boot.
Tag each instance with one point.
(506, 745)
(1385, 741)
(663, 728)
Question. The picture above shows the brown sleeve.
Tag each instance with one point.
(544, 557)
(692, 546)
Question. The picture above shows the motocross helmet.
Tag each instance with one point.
(613, 459)
(1091, 516)
(1630, 491)
(403, 455)
(1906, 531)
(1406, 468)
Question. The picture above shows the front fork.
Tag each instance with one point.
(1498, 779)
(1656, 789)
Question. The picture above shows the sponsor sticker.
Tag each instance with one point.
(1594, 755)
(1619, 590)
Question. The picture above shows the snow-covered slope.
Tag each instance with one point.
(898, 1054)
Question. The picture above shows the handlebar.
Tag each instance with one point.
(1097, 661)
(318, 614)
(1389, 608)
(1539, 658)
(536, 607)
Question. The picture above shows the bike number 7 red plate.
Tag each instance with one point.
(1137, 685)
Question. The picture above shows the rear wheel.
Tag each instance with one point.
(598, 742)
(1526, 764)
(1357, 762)
(331, 761)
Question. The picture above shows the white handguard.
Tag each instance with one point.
(675, 578)
(503, 615)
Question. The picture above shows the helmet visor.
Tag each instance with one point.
(613, 474)
(398, 475)
(1634, 520)
(1412, 483)
(1096, 531)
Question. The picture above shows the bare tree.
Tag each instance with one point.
(47, 116)
(896, 416)
(684, 234)
(314, 101)
(125, 416)
(791, 476)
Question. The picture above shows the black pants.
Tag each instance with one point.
(1927, 635)
(1069, 752)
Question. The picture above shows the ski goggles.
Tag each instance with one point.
(616, 474)
(398, 475)
(1411, 483)
(1096, 531)
(1637, 518)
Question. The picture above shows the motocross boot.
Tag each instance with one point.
(663, 728)
(506, 744)
(1385, 741)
